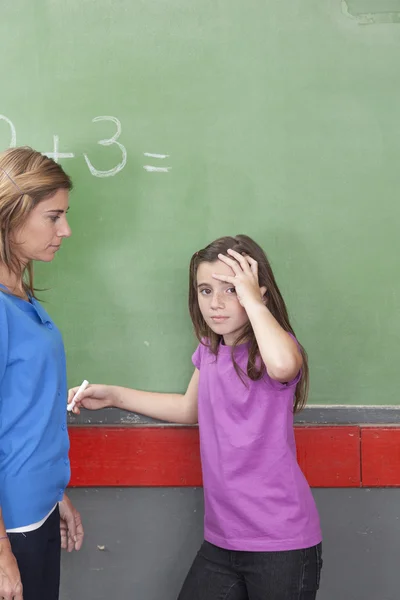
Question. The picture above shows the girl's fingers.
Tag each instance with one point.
(253, 264)
(242, 259)
(225, 278)
(232, 263)
(71, 393)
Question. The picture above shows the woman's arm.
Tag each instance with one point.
(10, 579)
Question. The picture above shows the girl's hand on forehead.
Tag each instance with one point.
(245, 278)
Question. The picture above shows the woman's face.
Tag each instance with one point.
(44, 230)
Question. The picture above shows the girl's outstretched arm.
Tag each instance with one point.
(175, 408)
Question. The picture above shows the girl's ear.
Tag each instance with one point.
(263, 291)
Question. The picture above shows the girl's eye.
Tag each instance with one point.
(231, 290)
(205, 292)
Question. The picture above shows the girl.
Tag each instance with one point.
(262, 532)
(36, 517)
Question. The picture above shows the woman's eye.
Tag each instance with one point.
(55, 218)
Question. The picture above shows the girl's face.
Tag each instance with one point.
(44, 230)
(218, 302)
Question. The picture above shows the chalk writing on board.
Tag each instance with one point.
(153, 169)
(109, 142)
(13, 141)
(56, 154)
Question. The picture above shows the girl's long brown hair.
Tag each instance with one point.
(26, 178)
(274, 302)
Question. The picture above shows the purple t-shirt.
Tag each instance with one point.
(256, 497)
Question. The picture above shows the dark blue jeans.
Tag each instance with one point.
(38, 556)
(218, 574)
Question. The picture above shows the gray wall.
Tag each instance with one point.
(151, 535)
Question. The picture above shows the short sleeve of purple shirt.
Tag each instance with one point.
(196, 358)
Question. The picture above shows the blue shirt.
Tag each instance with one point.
(34, 444)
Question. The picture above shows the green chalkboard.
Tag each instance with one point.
(276, 119)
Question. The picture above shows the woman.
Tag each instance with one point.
(36, 517)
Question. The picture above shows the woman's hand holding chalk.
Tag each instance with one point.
(81, 389)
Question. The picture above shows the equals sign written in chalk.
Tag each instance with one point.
(151, 168)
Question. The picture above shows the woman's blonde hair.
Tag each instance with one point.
(26, 178)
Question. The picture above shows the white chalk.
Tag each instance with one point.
(81, 389)
(151, 169)
(151, 155)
